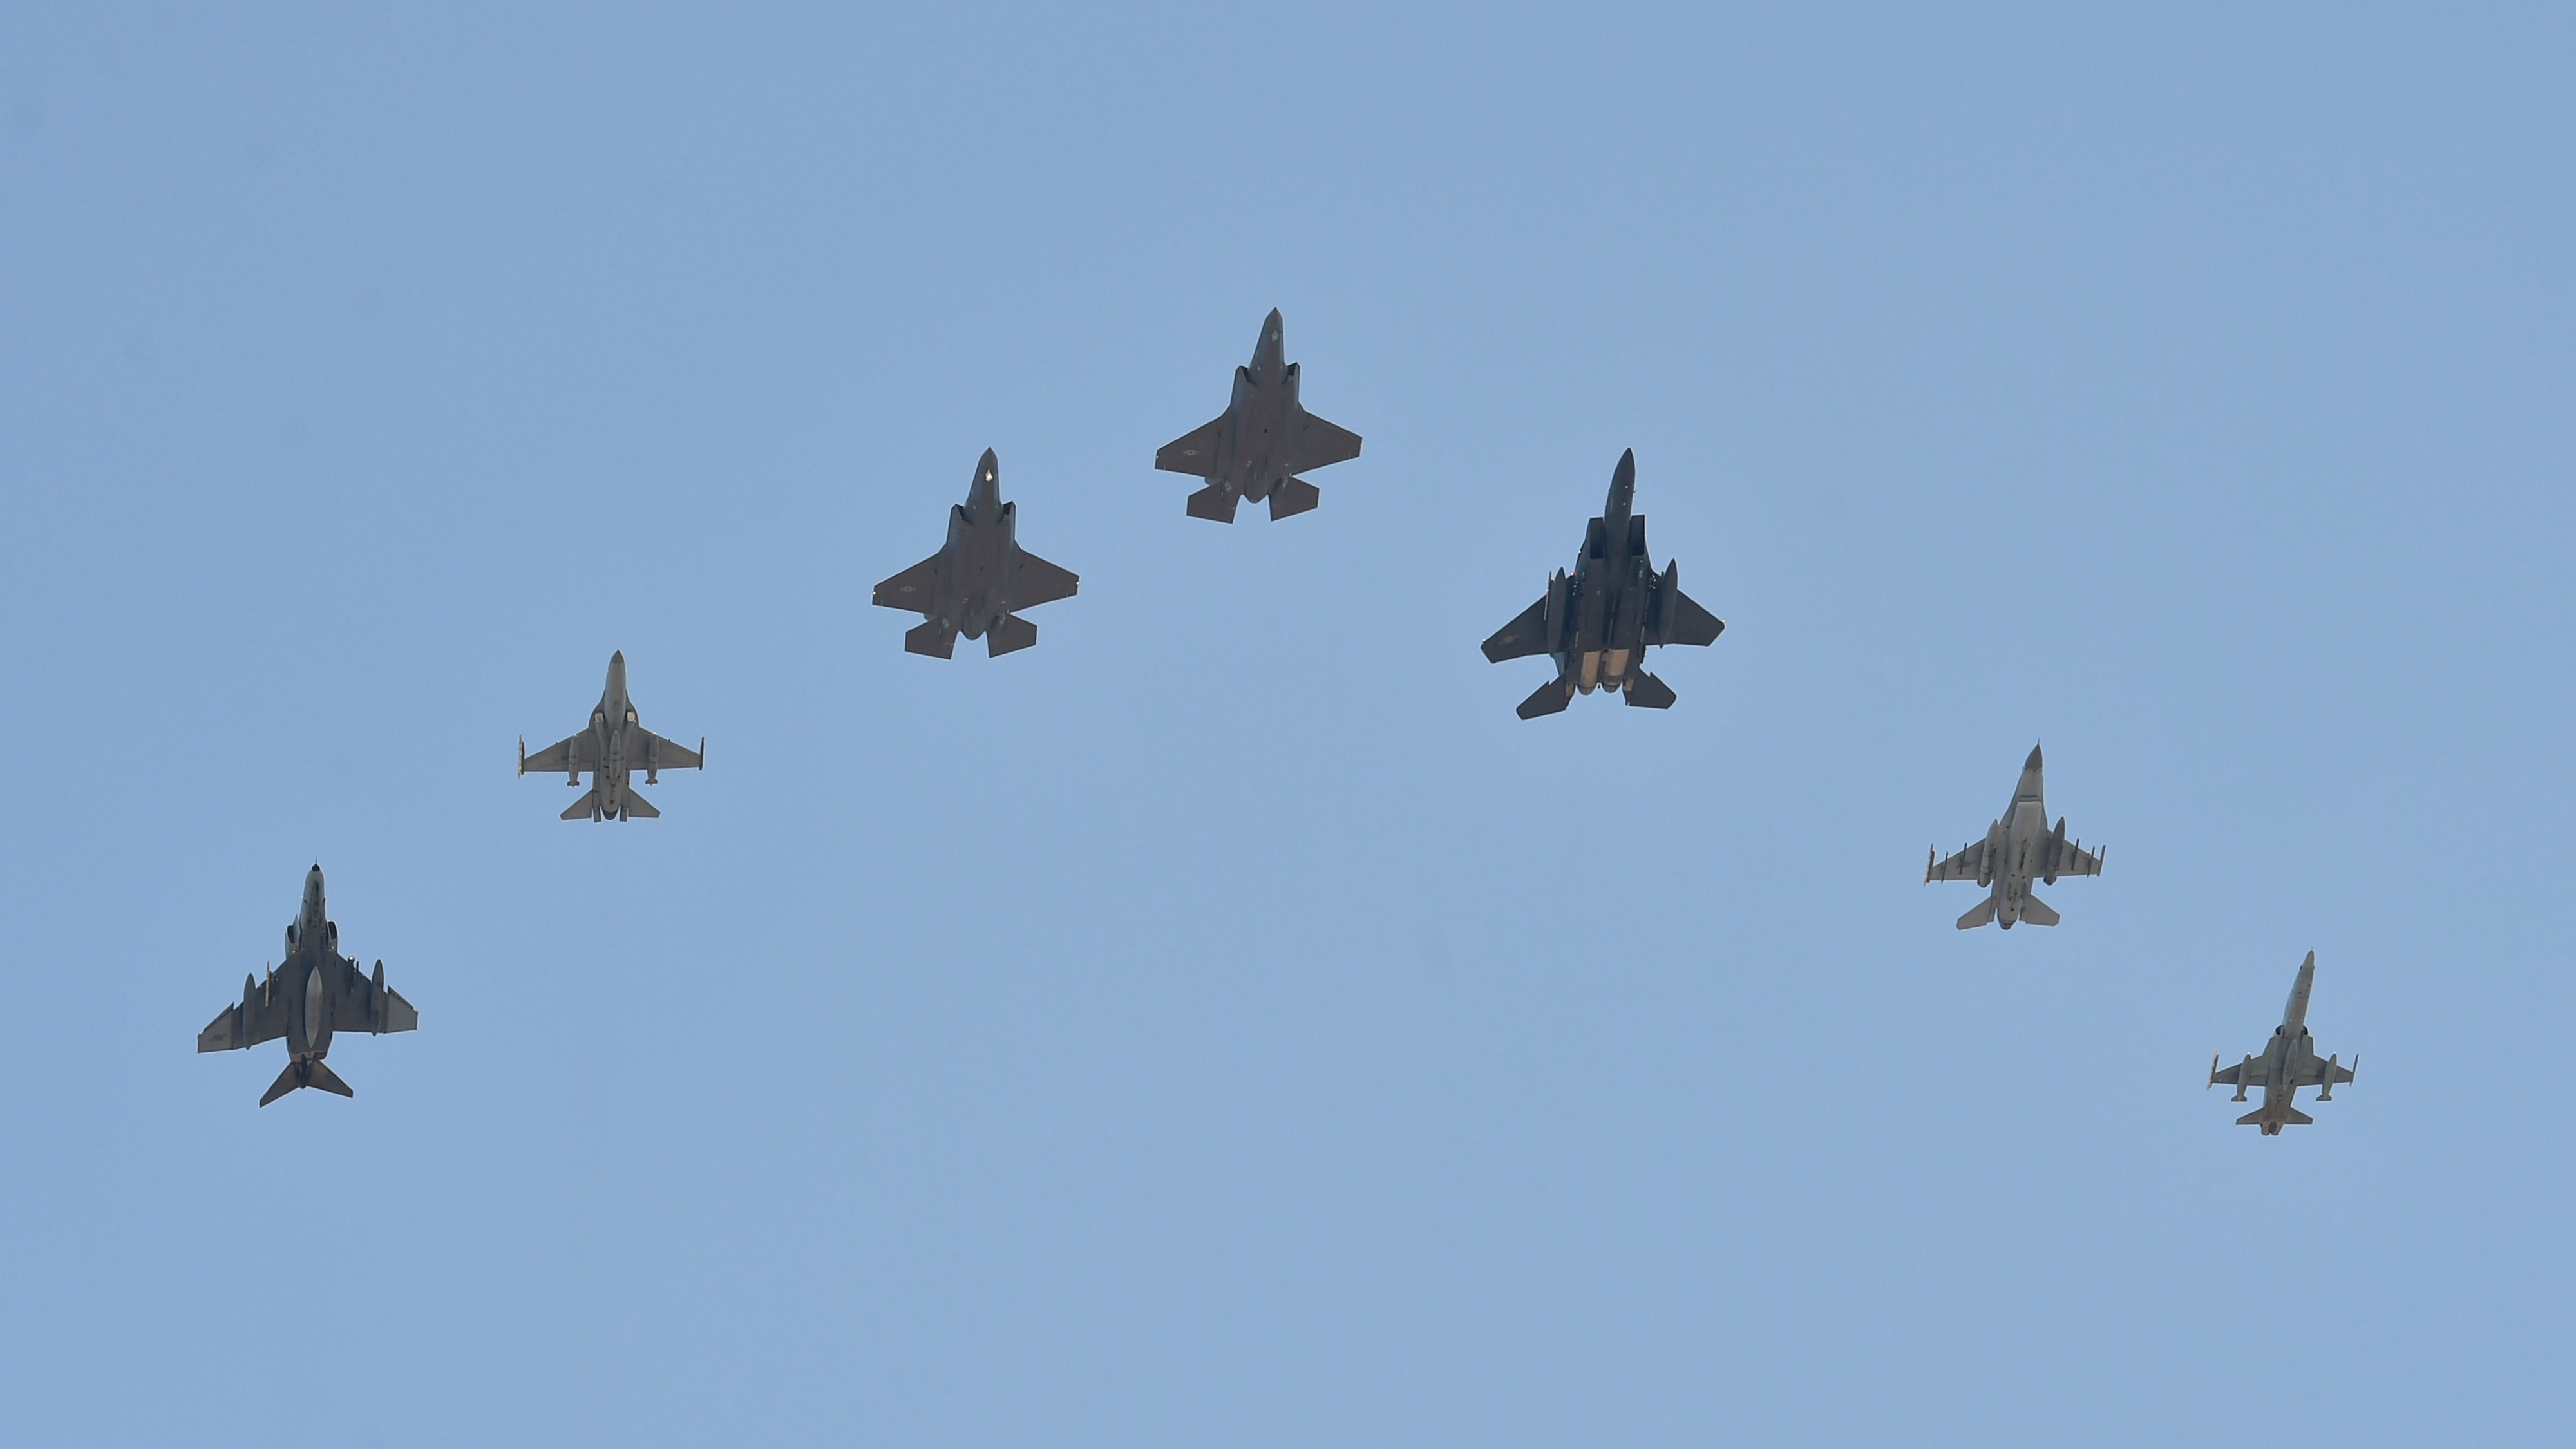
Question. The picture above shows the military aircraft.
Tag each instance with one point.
(611, 747)
(315, 993)
(2287, 1062)
(977, 578)
(2016, 848)
(1264, 438)
(1597, 622)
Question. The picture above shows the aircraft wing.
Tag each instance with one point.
(1685, 622)
(1034, 581)
(2232, 1076)
(1960, 865)
(662, 754)
(244, 1024)
(1193, 453)
(2316, 1071)
(914, 588)
(1523, 636)
(1319, 443)
(2079, 861)
(578, 752)
(357, 1004)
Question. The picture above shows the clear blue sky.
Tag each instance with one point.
(1225, 1024)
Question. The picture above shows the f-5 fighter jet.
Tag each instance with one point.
(612, 746)
(1597, 622)
(978, 578)
(311, 996)
(2016, 848)
(2287, 1062)
(1264, 438)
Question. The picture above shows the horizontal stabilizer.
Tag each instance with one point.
(932, 638)
(1009, 632)
(585, 808)
(1292, 496)
(1548, 698)
(1215, 503)
(636, 807)
(1645, 691)
(2035, 912)
(1983, 915)
(2290, 1117)
(302, 1072)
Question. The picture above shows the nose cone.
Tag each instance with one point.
(987, 487)
(1273, 346)
(2033, 762)
(1623, 485)
(617, 672)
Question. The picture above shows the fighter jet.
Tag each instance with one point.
(1597, 622)
(977, 578)
(315, 993)
(1264, 438)
(2287, 1062)
(2016, 848)
(611, 746)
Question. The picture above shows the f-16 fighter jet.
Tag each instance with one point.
(975, 581)
(2287, 1062)
(1597, 622)
(612, 747)
(1264, 438)
(315, 993)
(2016, 848)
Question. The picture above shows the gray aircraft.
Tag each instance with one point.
(2287, 1062)
(2016, 848)
(312, 995)
(1263, 440)
(1597, 622)
(612, 747)
(975, 581)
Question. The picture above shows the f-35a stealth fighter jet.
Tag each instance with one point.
(1597, 622)
(2015, 849)
(1262, 441)
(612, 747)
(2287, 1062)
(313, 995)
(978, 578)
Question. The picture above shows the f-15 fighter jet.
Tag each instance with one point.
(314, 994)
(1264, 438)
(975, 581)
(612, 747)
(2015, 849)
(1597, 622)
(2287, 1062)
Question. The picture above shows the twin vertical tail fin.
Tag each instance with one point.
(306, 1072)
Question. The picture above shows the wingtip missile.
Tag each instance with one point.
(2213, 1071)
(523, 754)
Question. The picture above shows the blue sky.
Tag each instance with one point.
(1225, 1023)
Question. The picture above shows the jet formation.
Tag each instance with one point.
(310, 997)
(1594, 623)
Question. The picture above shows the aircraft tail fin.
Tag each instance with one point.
(1548, 698)
(1215, 503)
(1645, 691)
(1292, 496)
(638, 808)
(303, 1073)
(932, 638)
(2036, 912)
(1983, 915)
(1009, 632)
(585, 808)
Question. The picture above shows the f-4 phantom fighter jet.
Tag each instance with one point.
(1263, 440)
(612, 747)
(978, 578)
(314, 994)
(1597, 622)
(2287, 1062)
(2016, 848)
